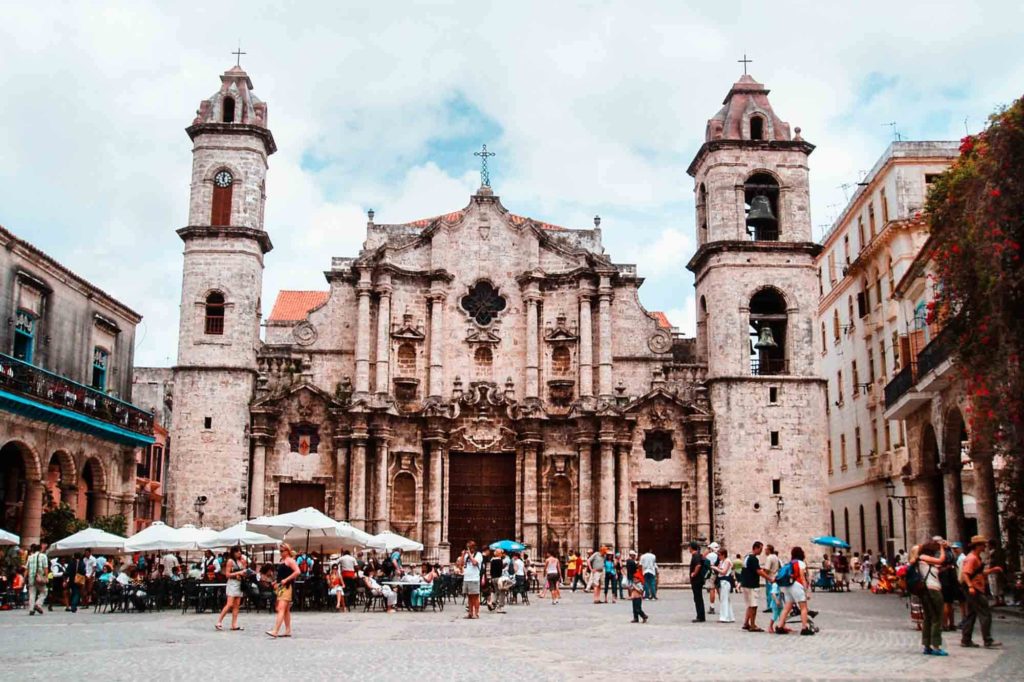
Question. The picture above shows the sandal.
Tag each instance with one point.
(218, 627)
(236, 629)
(283, 636)
(756, 629)
(271, 634)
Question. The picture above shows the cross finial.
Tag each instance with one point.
(744, 62)
(485, 177)
(238, 54)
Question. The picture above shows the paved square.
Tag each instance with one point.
(863, 637)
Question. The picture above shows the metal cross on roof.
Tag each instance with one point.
(744, 62)
(238, 54)
(485, 177)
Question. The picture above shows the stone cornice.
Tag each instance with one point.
(264, 134)
(227, 231)
(747, 145)
(740, 246)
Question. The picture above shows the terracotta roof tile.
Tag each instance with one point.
(292, 306)
(662, 319)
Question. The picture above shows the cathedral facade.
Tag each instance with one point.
(484, 375)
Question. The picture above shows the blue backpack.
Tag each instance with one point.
(784, 576)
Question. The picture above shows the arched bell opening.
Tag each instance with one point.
(768, 322)
(761, 196)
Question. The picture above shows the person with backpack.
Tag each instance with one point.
(791, 580)
(923, 582)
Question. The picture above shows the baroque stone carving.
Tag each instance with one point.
(304, 333)
(660, 341)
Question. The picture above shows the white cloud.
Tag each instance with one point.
(600, 108)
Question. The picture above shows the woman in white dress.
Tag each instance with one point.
(234, 568)
(725, 580)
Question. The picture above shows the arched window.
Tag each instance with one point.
(863, 532)
(220, 213)
(756, 128)
(214, 313)
(768, 333)
(24, 335)
(832, 521)
(871, 219)
(702, 213)
(702, 326)
(761, 194)
(561, 360)
(824, 345)
(846, 524)
(229, 110)
(483, 359)
(879, 532)
(835, 325)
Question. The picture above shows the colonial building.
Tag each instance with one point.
(481, 374)
(67, 430)
(861, 338)
(152, 390)
(949, 481)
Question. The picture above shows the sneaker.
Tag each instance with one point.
(927, 651)
(993, 645)
(970, 645)
(808, 631)
(939, 652)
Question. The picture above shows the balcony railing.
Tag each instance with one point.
(52, 389)
(900, 384)
(768, 366)
(936, 352)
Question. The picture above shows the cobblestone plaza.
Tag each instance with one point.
(862, 636)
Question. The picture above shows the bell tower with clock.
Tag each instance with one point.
(219, 325)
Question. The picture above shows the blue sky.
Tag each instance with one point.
(591, 107)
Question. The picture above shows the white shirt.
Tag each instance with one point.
(347, 562)
(648, 563)
(960, 565)
(56, 569)
(90, 566)
(169, 561)
(470, 571)
(520, 567)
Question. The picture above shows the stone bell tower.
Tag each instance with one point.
(756, 290)
(222, 280)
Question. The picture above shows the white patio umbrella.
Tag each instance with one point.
(238, 535)
(99, 541)
(307, 528)
(392, 540)
(8, 538)
(157, 537)
(359, 538)
(196, 536)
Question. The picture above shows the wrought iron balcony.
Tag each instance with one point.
(936, 352)
(768, 366)
(59, 395)
(900, 384)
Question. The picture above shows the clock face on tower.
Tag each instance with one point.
(222, 179)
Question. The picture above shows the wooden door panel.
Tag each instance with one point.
(660, 523)
(481, 498)
(294, 496)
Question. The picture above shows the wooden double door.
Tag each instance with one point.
(660, 523)
(295, 496)
(481, 498)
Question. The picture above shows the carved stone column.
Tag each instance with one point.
(69, 494)
(985, 495)
(102, 503)
(605, 338)
(357, 482)
(531, 528)
(586, 348)
(432, 512)
(704, 511)
(383, 333)
(953, 492)
(32, 516)
(586, 511)
(363, 289)
(606, 504)
(341, 487)
(532, 351)
(258, 489)
(623, 523)
(380, 484)
(437, 299)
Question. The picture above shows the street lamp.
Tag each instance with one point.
(890, 492)
(780, 505)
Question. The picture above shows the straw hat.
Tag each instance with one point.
(979, 540)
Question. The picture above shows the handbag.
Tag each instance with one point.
(80, 579)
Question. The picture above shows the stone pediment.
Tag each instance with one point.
(659, 400)
(561, 332)
(303, 392)
(408, 331)
(477, 335)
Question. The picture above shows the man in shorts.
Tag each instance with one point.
(712, 559)
(750, 580)
(596, 563)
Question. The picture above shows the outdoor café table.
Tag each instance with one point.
(404, 590)
(209, 594)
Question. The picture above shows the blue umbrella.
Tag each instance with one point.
(831, 541)
(508, 546)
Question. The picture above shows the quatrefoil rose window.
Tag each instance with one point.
(483, 302)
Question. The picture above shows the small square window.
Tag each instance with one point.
(776, 486)
(774, 439)
(207, 422)
(773, 394)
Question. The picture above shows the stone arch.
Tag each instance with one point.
(19, 469)
(954, 437)
(702, 327)
(60, 476)
(92, 489)
(29, 458)
(403, 503)
(218, 166)
(768, 323)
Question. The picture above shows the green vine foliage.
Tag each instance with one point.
(59, 521)
(976, 215)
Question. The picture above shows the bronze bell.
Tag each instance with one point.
(766, 340)
(760, 216)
